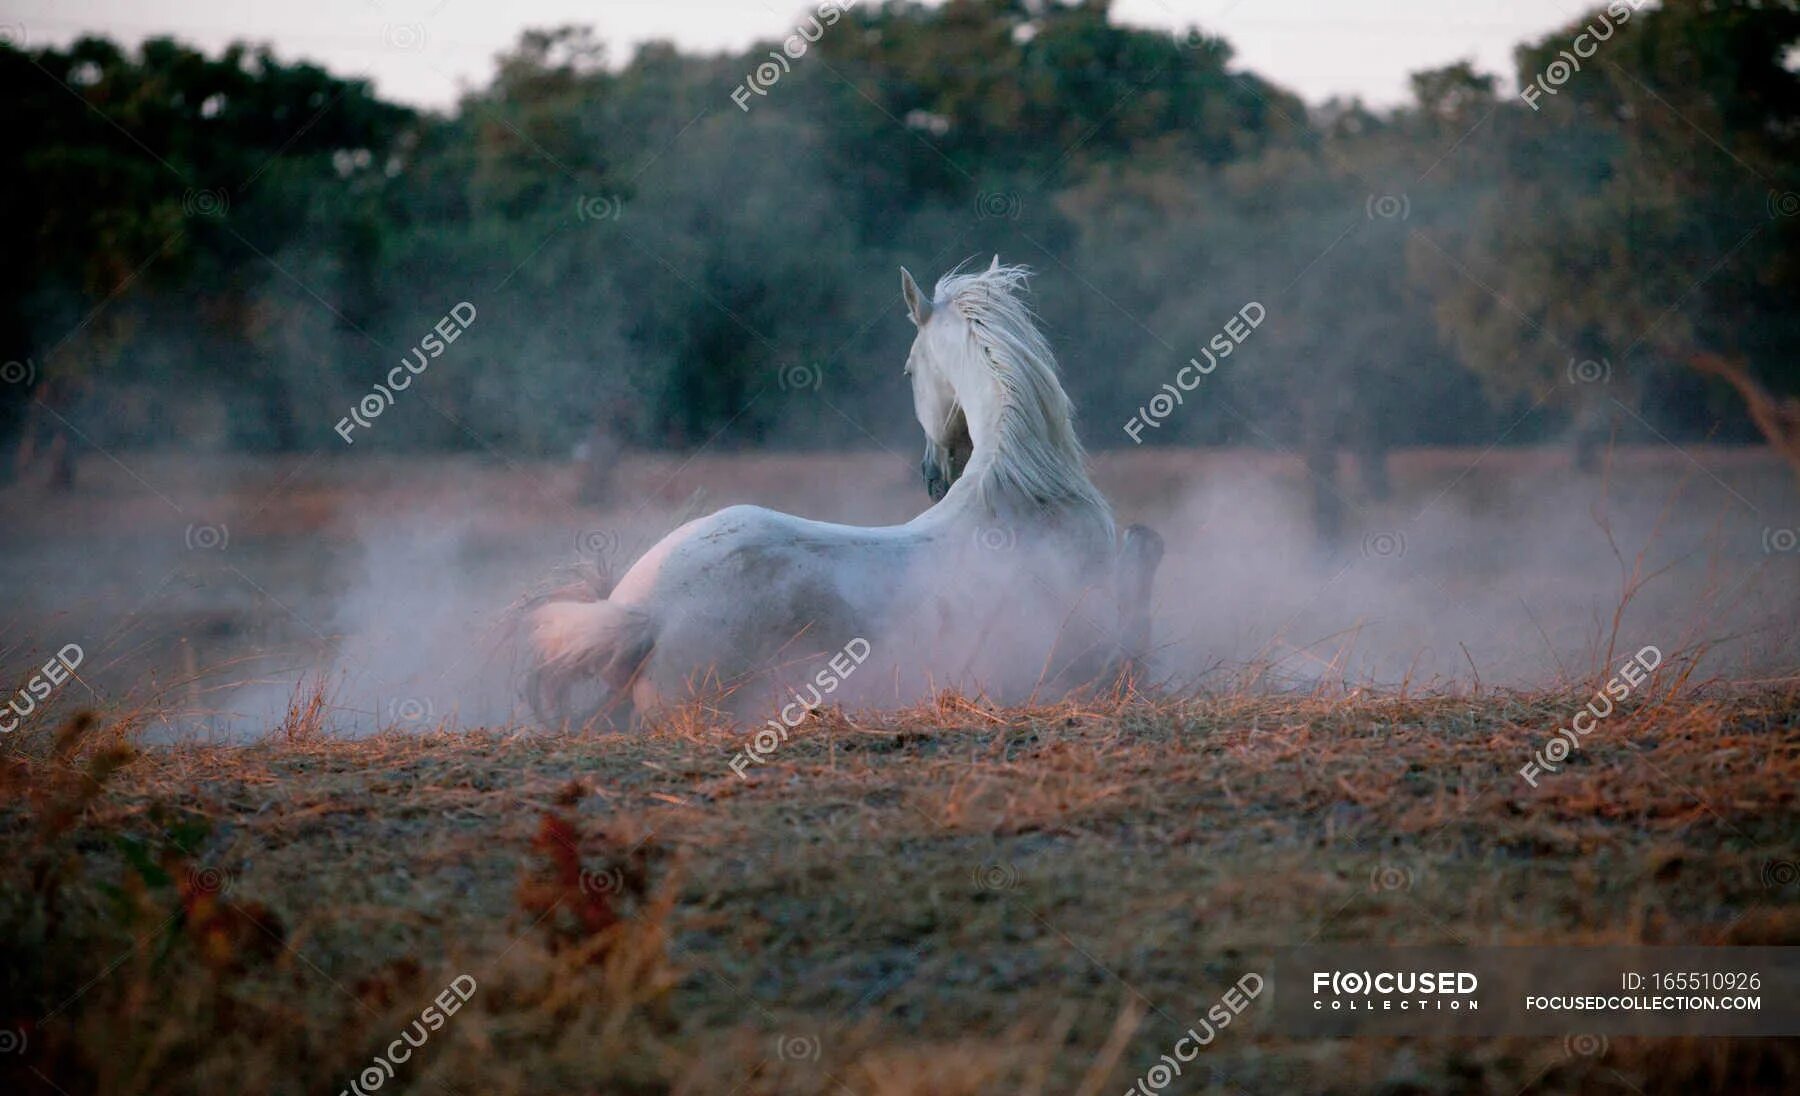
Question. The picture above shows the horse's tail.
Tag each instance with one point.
(576, 641)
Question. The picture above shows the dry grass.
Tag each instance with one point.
(947, 900)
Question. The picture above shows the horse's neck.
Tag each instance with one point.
(1015, 476)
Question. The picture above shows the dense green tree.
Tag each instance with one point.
(152, 199)
(1645, 212)
(232, 250)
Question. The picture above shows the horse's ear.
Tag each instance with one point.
(917, 304)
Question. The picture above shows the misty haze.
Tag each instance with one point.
(371, 622)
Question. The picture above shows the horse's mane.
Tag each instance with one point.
(1038, 460)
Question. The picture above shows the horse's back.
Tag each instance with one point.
(745, 591)
(748, 598)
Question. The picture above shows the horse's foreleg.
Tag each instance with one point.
(1140, 553)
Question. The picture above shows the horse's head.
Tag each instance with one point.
(986, 392)
(932, 365)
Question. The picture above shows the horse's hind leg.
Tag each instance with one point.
(1140, 553)
(550, 694)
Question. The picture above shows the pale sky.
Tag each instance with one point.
(422, 51)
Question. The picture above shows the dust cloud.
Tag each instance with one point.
(386, 595)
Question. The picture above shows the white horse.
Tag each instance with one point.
(1010, 586)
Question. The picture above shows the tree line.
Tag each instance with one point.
(228, 252)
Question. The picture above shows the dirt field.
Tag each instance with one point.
(953, 899)
(946, 901)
